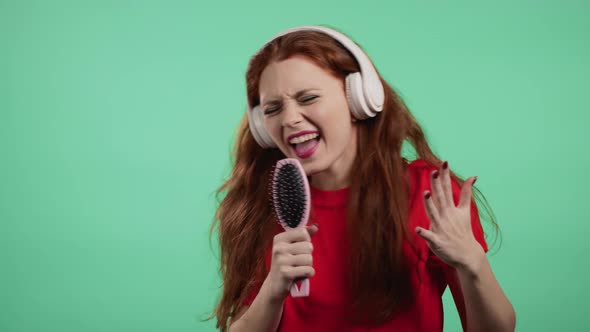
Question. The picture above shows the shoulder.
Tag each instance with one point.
(418, 181)
(418, 176)
(418, 166)
(418, 173)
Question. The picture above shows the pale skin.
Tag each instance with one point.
(323, 107)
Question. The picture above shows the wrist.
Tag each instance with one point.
(269, 296)
(473, 263)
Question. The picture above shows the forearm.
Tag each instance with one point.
(486, 305)
(263, 315)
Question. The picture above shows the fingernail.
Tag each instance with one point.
(427, 195)
(435, 175)
(472, 183)
(316, 225)
(418, 230)
(445, 165)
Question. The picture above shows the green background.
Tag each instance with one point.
(117, 120)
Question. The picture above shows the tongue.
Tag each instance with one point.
(305, 146)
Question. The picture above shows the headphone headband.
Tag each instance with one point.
(371, 84)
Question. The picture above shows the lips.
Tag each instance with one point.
(301, 133)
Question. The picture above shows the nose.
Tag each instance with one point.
(291, 115)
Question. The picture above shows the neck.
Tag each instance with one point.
(327, 180)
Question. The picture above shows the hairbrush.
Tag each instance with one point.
(291, 204)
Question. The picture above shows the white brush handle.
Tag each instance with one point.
(302, 291)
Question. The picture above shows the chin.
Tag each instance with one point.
(309, 169)
(312, 168)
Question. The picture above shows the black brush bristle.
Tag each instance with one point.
(289, 192)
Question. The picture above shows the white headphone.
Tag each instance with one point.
(364, 90)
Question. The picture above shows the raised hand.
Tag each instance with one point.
(450, 236)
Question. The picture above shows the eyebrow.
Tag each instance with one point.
(296, 95)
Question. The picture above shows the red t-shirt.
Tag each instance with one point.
(322, 310)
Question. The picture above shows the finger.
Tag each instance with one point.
(300, 260)
(431, 209)
(294, 235)
(299, 248)
(466, 192)
(437, 192)
(280, 248)
(312, 229)
(446, 184)
(427, 235)
(294, 272)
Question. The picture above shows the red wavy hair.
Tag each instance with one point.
(244, 217)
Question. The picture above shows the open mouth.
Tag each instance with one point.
(305, 145)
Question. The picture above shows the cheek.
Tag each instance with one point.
(273, 128)
(338, 133)
(270, 124)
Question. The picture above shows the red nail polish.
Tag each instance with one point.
(427, 195)
(472, 183)
(435, 175)
(445, 165)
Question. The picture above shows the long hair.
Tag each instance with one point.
(378, 201)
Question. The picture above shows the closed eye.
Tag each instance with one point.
(275, 108)
(308, 99)
(271, 109)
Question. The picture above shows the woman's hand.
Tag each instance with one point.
(450, 236)
(291, 259)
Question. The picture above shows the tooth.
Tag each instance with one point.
(303, 138)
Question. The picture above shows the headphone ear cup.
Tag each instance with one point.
(255, 121)
(357, 103)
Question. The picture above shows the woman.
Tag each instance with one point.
(387, 235)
